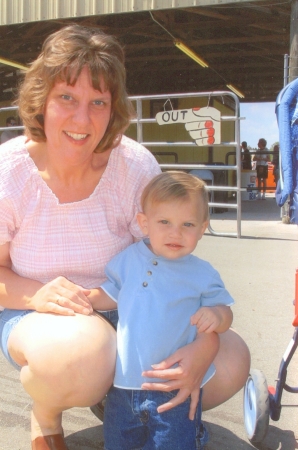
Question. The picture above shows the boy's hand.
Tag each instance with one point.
(192, 362)
(206, 319)
(212, 318)
(180, 397)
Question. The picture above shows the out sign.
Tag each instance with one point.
(203, 124)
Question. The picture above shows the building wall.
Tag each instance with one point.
(18, 11)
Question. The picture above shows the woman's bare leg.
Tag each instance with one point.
(67, 362)
(232, 367)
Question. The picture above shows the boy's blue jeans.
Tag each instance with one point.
(131, 422)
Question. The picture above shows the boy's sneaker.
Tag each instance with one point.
(203, 437)
(259, 196)
(263, 197)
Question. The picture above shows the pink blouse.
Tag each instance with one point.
(75, 240)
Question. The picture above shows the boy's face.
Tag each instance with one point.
(174, 227)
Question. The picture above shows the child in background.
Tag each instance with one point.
(165, 296)
(262, 158)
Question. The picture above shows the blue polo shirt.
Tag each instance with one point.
(156, 297)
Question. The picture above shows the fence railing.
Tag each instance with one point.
(141, 121)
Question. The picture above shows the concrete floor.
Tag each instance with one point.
(258, 270)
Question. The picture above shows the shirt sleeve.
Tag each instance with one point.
(12, 186)
(111, 290)
(112, 285)
(216, 294)
(7, 225)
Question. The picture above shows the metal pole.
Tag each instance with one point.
(139, 123)
(286, 69)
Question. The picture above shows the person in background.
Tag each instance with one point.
(245, 157)
(9, 134)
(70, 192)
(155, 278)
(262, 158)
(275, 162)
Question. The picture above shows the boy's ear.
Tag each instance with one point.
(204, 227)
(142, 222)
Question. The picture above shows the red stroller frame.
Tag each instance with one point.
(260, 401)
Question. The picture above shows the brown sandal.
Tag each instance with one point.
(51, 442)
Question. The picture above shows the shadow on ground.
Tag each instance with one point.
(87, 439)
(276, 439)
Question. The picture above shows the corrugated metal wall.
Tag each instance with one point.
(18, 11)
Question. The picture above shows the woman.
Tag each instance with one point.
(69, 194)
(245, 156)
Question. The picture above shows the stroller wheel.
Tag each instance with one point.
(256, 407)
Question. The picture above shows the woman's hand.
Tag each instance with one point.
(193, 361)
(61, 296)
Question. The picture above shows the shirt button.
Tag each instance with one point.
(155, 263)
(149, 273)
(145, 284)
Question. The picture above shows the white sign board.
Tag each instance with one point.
(203, 124)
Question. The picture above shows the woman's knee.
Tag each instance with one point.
(49, 343)
(232, 367)
(75, 355)
(234, 354)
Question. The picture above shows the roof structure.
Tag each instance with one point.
(244, 43)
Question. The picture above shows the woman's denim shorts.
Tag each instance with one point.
(111, 316)
(9, 318)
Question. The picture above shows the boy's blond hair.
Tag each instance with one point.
(174, 185)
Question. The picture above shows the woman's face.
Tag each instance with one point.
(76, 118)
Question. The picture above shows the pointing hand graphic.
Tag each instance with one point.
(202, 124)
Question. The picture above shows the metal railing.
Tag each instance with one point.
(8, 109)
(140, 121)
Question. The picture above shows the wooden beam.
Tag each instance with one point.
(270, 56)
(208, 13)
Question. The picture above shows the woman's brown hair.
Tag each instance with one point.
(64, 54)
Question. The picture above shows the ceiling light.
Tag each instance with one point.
(190, 53)
(8, 62)
(235, 90)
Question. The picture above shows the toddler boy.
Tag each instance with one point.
(165, 296)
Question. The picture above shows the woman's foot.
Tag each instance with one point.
(46, 425)
(98, 409)
(51, 442)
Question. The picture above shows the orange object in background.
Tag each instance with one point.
(270, 179)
